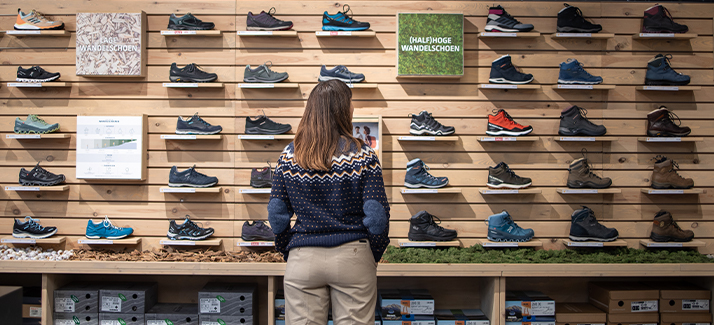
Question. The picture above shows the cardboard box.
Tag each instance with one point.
(460, 317)
(11, 305)
(683, 297)
(128, 298)
(417, 320)
(225, 320)
(31, 311)
(633, 319)
(75, 319)
(79, 297)
(520, 304)
(685, 318)
(579, 313)
(623, 297)
(542, 320)
(397, 303)
(184, 314)
(120, 319)
(377, 321)
(227, 299)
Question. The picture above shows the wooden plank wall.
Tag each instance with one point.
(620, 60)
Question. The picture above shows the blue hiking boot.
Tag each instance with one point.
(502, 228)
(660, 73)
(341, 21)
(572, 72)
(341, 73)
(106, 229)
(504, 72)
(418, 176)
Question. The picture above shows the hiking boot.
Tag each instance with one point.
(659, 72)
(263, 125)
(35, 21)
(35, 74)
(105, 229)
(502, 228)
(585, 227)
(196, 125)
(500, 21)
(424, 228)
(261, 177)
(424, 123)
(31, 228)
(580, 176)
(38, 176)
(342, 21)
(571, 20)
(502, 176)
(257, 230)
(664, 229)
(34, 124)
(502, 124)
(658, 20)
(189, 230)
(340, 73)
(190, 73)
(191, 178)
(574, 121)
(660, 123)
(504, 72)
(418, 176)
(188, 22)
(263, 74)
(572, 73)
(665, 175)
(266, 21)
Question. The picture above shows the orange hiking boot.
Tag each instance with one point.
(35, 21)
(502, 124)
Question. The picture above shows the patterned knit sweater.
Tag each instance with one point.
(344, 204)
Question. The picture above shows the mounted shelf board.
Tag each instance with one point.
(664, 36)
(430, 191)
(38, 136)
(190, 189)
(508, 86)
(212, 32)
(585, 139)
(206, 242)
(501, 34)
(32, 241)
(614, 243)
(684, 191)
(245, 243)
(507, 139)
(125, 241)
(670, 139)
(584, 87)
(193, 85)
(489, 191)
(364, 33)
(649, 243)
(668, 88)
(38, 84)
(191, 136)
(583, 35)
(589, 191)
(495, 244)
(266, 137)
(428, 138)
(20, 188)
(254, 190)
(360, 85)
(408, 243)
(276, 33)
(38, 32)
(260, 85)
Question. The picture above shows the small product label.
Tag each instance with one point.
(178, 32)
(664, 245)
(256, 137)
(577, 139)
(644, 306)
(18, 241)
(696, 323)
(500, 192)
(96, 242)
(418, 307)
(494, 86)
(210, 323)
(256, 85)
(255, 33)
(486, 34)
(407, 191)
(113, 322)
(23, 136)
(23, 32)
(178, 243)
(64, 305)
(666, 88)
(156, 322)
(178, 190)
(579, 244)
(178, 136)
(24, 84)
(505, 244)
(180, 85)
(587, 191)
(575, 87)
(664, 139)
(665, 191)
(257, 243)
(418, 244)
(35, 311)
(111, 304)
(210, 306)
(699, 304)
(497, 139)
(255, 191)
(64, 322)
(23, 188)
(417, 138)
(656, 35)
(574, 35)
(542, 308)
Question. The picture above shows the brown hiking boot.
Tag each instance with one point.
(580, 176)
(665, 175)
(664, 228)
(660, 123)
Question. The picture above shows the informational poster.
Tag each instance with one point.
(111, 147)
(111, 44)
(368, 132)
(430, 44)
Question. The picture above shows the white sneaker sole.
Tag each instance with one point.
(506, 81)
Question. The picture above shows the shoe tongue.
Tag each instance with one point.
(661, 213)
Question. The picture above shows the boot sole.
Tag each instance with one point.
(578, 82)
(255, 238)
(422, 237)
(511, 240)
(506, 132)
(504, 185)
(650, 82)
(576, 30)
(588, 185)
(257, 130)
(574, 238)
(181, 237)
(38, 183)
(196, 132)
(256, 80)
(571, 132)
(410, 185)
(30, 131)
(659, 238)
(666, 134)
(190, 185)
(260, 185)
(269, 28)
(33, 236)
(345, 80)
(427, 132)
(668, 186)
(506, 81)
(37, 80)
(189, 79)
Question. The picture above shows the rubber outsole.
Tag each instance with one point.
(191, 185)
(506, 81)
(566, 29)
(571, 132)
(666, 134)
(257, 130)
(60, 27)
(256, 80)
(428, 132)
(650, 82)
(28, 235)
(326, 78)
(35, 183)
(509, 186)
(588, 185)
(255, 238)
(659, 238)
(574, 238)
(516, 240)
(499, 29)
(423, 237)
(37, 80)
(181, 237)
(578, 82)
(111, 238)
(189, 79)
(34, 131)
(410, 185)
(347, 29)
(195, 132)
(669, 186)
(261, 185)
(268, 28)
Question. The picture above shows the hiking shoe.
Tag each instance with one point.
(581, 176)
(502, 124)
(263, 125)
(425, 124)
(266, 21)
(572, 73)
(35, 21)
(502, 176)
(418, 176)
(660, 123)
(665, 175)
(35, 74)
(256, 231)
(190, 73)
(502, 228)
(342, 21)
(191, 178)
(189, 22)
(658, 20)
(500, 21)
(34, 124)
(504, 72)
(585, 227)
(424, 228)
(196, 125)
(659, 72)
(261, 177)
(513, 313)
(341, 73)
(263, 74)
(189, 230)
(574, 121)
(38, 176)
(31, 228)
(571, 20)
(105, 229)
(664, 229)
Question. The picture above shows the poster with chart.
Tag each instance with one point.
(111, 147)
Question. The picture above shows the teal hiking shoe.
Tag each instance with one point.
(105, 229)
(502, 228)
(34, 124)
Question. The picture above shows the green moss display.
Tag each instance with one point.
(422, 49)
(477, 254)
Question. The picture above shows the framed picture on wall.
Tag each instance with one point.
(369, 129)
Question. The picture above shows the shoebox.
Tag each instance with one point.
(75, 319)
(128, 298)
(579, 313)
(11, 305)
(397, 303)
(225, 320)
(683, 297)
(121, 319)
(79, 297)
(534, 320)
(163, 314)
(31, 303)
(685, 318)
(528, 303)
(633, 319)
(377, 318)
(623, 297)
(280, 305)
(460, 317)
(414, 320)
(227, 299)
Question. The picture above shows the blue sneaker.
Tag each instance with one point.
(660, 73)
(341, 73)
(341, 21)
(572, 72)
(196, 125)
(502, 228)
(106, 229)
(418, 176)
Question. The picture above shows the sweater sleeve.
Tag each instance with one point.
(280, 210)
(376, 207)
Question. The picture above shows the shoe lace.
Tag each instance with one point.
(33, 223)
(667, 14)
(434, 223)
(270, 13)
(196, 173)
(671, 116)
(426, 169)
(511, 172)
(508, 117)
(432, 122)
(586, 165)
(190, 224)
(108, 224)
(195, 116)
(39, 69)
(36, 118)
(39, 15)
(584, 115)
(267, 65)
(505, 14)
(579, 68)
(348, 18)
(592, 221)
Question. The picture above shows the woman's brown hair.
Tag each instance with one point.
(326, 119)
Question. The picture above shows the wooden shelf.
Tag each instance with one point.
(365, 33)
(260, 85)
(20, 188)
(245, 243)
(38, 32)
(671, 139)
(585, 139)
(428, 138)
(191, 136)
(649, 243)
(38, 136)
(276, 33)
(251, 190)
(507, 139)
(665, 36)
(193, 85)
(500, 34)
(614, 243)
(589, 191)
(669, 88)
(448, 190)
(30, 241)
(52, 84)
(125, 241)
(205, 242)
(361, 85)
(266, 137)
(493, 244)
(408, 243)
(212, 32)
(190, 190)
(508, 86)
(583, 35)
(489, 191)
(583, 87)
(672, 191)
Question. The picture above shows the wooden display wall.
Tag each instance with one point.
(621, 61)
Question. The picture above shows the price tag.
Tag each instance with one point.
(96, 242)
(698, 304)
(256, 85)
(490, 244)
(256, 191)
(64, 305)
(64, 322)
(333, 33)
(178, 137)
(210, 305)
(494, 86)
(656, 34)
(256, 137)
(35, 311)
(181, 85)
(257, 243)
(666, 88)
(418, 244)
(665, 192)
(497, 139)
(23, 32)
(156, 322)
(255, 33)
(19, 241)
(575, 86)
(499, 192)
(574, 35)
(417, 138)
(499, 34)
(178, 243)
(644, 306)
(664, 245)
(588, 191)
(210, 323)
(178, 190)
(178, 32)
(23, 136)
(111, 304)
(408, 191)
(24, 84)
(23, 188)
(584, 244)
(577, 139)
(110, 322)
(664, 139)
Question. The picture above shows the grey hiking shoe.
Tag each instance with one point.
(263, 74)
(34, 124)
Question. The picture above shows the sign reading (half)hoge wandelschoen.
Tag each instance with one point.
(111, 44)
(430, 44)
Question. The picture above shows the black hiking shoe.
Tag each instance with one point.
(196, 125)
(189, 230)
(266, 21)
(585, 227)
(425, 124)
(191, 178)
(574, 121)
(38, 176)
(424, 228)
(571, 20)
(31, 228)
(188, 22)
(190, 73)
(263, 125)
(35, 74)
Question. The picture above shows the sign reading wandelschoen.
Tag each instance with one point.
(430, 44)
(111, 44)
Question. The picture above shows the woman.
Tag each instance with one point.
(368, 138)
(333, 182)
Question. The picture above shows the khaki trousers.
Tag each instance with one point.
(345, 275)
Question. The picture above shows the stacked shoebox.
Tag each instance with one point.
(166, 314)
(31, 305)
(127, 303)
(11, 305)
(406, 307)
(684, 303)
(460, 317)
(579, 313)
(76, 303)
(529, 307)
(626, 303)
(280, 312)
(226, 304)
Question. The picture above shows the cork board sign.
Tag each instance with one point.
(111, 44)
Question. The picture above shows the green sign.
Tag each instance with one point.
(430, 44)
